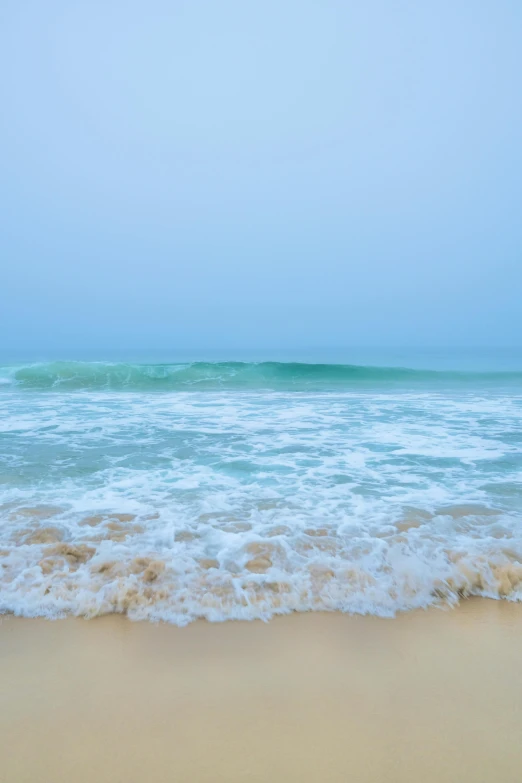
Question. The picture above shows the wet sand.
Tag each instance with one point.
(430, 697)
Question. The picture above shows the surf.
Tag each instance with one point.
(298, 376)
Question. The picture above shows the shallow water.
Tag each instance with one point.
(245, 490)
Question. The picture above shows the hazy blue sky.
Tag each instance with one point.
(231, 174)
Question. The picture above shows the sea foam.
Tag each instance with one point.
(243, 503)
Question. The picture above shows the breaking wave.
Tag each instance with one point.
(71, 376)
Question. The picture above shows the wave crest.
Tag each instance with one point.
(74, 376)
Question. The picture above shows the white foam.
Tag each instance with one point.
(234, 505)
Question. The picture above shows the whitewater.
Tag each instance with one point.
(244, 490)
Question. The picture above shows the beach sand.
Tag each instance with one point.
(429, 697)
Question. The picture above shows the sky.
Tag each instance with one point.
(278, 175)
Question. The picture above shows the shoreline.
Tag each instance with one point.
(431, 695)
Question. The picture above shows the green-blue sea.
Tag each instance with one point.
(241, 490)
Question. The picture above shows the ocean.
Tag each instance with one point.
(243, 490)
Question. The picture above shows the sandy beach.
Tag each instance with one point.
(430, 696)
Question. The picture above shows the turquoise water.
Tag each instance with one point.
(284, 376)
(242, 490)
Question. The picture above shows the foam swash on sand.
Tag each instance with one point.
(233, 490)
